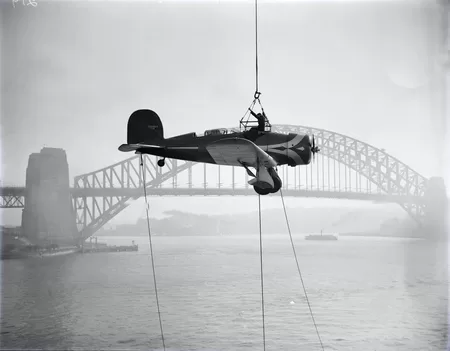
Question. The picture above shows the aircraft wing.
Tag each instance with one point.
(239, 151)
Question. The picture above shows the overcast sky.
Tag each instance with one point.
(73, 72)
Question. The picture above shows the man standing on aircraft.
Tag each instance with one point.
(261, 121)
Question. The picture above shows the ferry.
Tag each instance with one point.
(321, 236)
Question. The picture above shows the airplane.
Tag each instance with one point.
(254, 147)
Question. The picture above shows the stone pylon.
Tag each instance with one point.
(48, 216)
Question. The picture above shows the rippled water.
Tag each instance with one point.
(366, 294)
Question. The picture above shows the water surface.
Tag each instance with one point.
(366, 294)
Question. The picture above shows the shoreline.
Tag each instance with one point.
(43, 254)
(353, 235)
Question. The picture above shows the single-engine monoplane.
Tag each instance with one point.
(253, 145)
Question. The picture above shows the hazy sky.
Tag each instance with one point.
(73, 72)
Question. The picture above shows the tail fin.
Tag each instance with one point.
(144, 126)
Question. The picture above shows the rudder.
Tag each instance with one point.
(144, 126)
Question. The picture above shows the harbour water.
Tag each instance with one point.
(366, 294)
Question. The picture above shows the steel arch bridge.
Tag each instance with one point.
(348, 168)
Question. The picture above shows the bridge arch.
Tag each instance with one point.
(385, 171)
(390, 175)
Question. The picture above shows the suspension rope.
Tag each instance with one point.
(262, 274)
(151, 251)
(257, 94)
(299, 271)
(256, 51)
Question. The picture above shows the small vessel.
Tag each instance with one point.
(321, 236)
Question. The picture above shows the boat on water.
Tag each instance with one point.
(321, 236)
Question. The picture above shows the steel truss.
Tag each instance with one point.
(12, 197)
(385, 171)
(93, 212)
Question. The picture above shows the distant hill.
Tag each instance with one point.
(380, 220)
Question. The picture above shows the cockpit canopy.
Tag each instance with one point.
(221, 131)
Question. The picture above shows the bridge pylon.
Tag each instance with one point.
(48, 216)
(435, 223)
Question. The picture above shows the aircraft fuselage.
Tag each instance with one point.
(292, 149)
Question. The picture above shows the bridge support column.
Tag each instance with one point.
(48, 216)
(436, 210)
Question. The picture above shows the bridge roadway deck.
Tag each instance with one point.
(198, 191)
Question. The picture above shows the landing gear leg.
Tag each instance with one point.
(161, 162)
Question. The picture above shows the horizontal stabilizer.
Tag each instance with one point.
(128, 147)
(134, 147)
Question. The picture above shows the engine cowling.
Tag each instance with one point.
(298, 149)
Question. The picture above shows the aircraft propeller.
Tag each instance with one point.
(314, 148)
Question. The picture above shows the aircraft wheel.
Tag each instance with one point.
(161, 162)
(261, 191)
